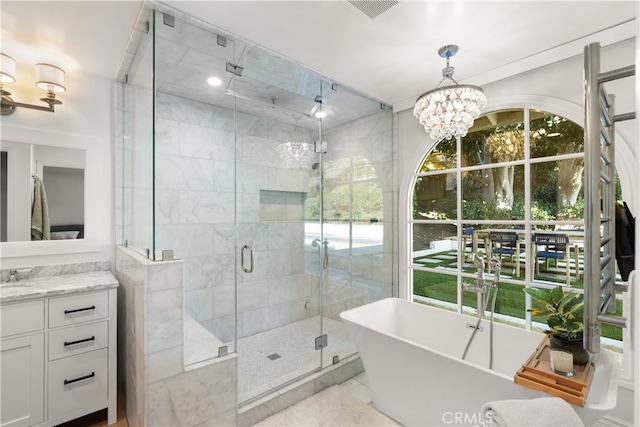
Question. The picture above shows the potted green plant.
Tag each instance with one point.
(564, 312)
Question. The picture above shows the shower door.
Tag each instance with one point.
(279, 239)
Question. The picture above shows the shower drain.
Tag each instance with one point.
(274, 356)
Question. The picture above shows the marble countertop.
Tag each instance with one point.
(41, 287)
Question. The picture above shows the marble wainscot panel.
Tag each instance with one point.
(131, 273)
(160, 389)
(200, 396)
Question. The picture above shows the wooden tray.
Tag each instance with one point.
(536, 374)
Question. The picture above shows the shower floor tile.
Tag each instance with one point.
(295, 344)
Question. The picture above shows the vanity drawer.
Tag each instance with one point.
(78, 339)
(22, 317)
(76, 382)
(78, 308)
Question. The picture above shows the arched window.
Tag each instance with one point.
(511, 188)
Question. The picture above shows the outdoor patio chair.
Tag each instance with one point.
(506, 243)
(467, 238)
(576, 245)
(552, 246)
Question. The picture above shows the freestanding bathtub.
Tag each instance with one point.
(412, 356)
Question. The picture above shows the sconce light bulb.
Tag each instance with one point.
(50, 76)
(7, 78)
(7, 68)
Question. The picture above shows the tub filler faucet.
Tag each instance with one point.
(483, 289)
(479, 285)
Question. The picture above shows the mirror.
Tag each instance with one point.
(61, 171)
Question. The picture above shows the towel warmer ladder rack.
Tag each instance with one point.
(599, 189)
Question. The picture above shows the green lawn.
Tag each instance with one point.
(510, 300)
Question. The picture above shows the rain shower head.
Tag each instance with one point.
(318, 108)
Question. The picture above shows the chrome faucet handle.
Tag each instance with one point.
(476, 258)
(496, 266)
(471, 287)
(479, 265)
(13, 276)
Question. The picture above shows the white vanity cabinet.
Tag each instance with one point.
(22, 363)
(81, 344)
(58, 357)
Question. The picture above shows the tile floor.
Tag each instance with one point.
(356, 387)
(339, 405)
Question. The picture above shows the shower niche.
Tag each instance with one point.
(237, 160)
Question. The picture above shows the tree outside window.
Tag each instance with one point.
(480, 182)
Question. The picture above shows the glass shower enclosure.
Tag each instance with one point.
(273, 185)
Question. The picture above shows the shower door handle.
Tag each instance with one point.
(251, 253)
(322, 252)
(325, 258)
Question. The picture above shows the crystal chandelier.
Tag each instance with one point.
(297, 155)
(449, 109)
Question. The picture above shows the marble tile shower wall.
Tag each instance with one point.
(371, 269)
(276, 292)
(158, 391)
(197, 160)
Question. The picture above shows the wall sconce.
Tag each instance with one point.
(48, 78)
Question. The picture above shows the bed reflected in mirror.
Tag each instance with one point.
(51, 211)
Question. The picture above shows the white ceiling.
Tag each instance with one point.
(392, 58)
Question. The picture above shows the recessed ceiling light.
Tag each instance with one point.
(214, 81)
(320, 114)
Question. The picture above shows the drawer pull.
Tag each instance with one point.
(68, 343)
(75, 380)
(93, 307)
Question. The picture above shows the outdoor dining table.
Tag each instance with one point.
(576, 242)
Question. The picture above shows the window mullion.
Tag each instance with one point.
(528, 273)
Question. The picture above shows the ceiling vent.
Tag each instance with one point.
(373, 8)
